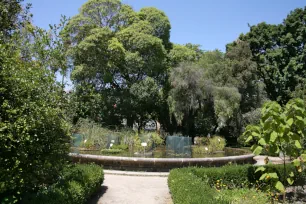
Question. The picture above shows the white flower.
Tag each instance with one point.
(111, 145)
(85, 141)
(206, 148)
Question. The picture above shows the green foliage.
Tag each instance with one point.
(209, 145)
(123, 147)
(181, 53)
(187, 188)
(226, 102)
(111, 151)
(10, 10)
(92, 133)
(76, 185)
(157, 139)
(134, 63)
(216, 143)
(194, 185)
(239, 176)
(34, 136)
(278, 53)
(281, 129)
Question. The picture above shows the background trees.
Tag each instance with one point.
(279, 52)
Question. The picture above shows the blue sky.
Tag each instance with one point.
(210, 23)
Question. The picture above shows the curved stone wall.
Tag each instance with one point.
(157, 164)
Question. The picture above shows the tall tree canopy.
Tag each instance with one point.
(280, 53)
(113, 49)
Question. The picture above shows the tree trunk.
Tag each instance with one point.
(130, 122)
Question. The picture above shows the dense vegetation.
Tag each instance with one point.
(125, 68)
(228, 184)
(143, 76)
(76, 184)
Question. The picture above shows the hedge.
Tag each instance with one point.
(244, 175)
(76, 185)
(196, 185)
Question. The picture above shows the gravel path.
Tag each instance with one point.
(121, 189)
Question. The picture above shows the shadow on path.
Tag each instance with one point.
(95, 198)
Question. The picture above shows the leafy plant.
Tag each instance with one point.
(281, 130)
(111, 151)
(77, 183)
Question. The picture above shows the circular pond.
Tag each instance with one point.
(161, 160)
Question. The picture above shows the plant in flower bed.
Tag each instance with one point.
(186, 187)
(281, 131)
(209, 145)
(228, 184)
(76, 184)
(111, 151)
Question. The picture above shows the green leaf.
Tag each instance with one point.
(290, 121)
(294, 136)
(291, 174)
(262, 142)
(290, 181)
(249, 139)
(303, 156)
(279, 186)
(273, 136)
(255, 134)
(257, 150)
(296, 162)
(263, 176)
(273, 175)
(260, 169)
(298, 144)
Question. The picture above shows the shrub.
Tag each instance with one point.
(76, 185)
(217, 143)
(34, 136)
(111, 151)
(242, 195)
(187, 188)
(243, 175)
(156, 139)
(211, 145)
(228, 184)
(122, 147)
(92, 132)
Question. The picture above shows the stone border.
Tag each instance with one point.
(157, 164)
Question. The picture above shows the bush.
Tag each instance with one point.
(76, 185)
(217, 143)
(111, 151)
(122, 147)
(34, 136)
(244, 175)
(199, 185)
(209, 145)
(187, 188)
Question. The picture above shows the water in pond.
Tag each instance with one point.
(176, 147)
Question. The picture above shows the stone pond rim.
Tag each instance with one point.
(158, 164)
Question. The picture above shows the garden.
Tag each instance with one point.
(136, 96)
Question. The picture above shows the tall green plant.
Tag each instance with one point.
(281, 130)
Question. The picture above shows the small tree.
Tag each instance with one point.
(281, 130)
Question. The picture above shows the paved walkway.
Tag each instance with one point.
(127, 189)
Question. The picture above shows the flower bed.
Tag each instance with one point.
(228, 184)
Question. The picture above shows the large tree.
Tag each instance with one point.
(113, 49)
(279, 51)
